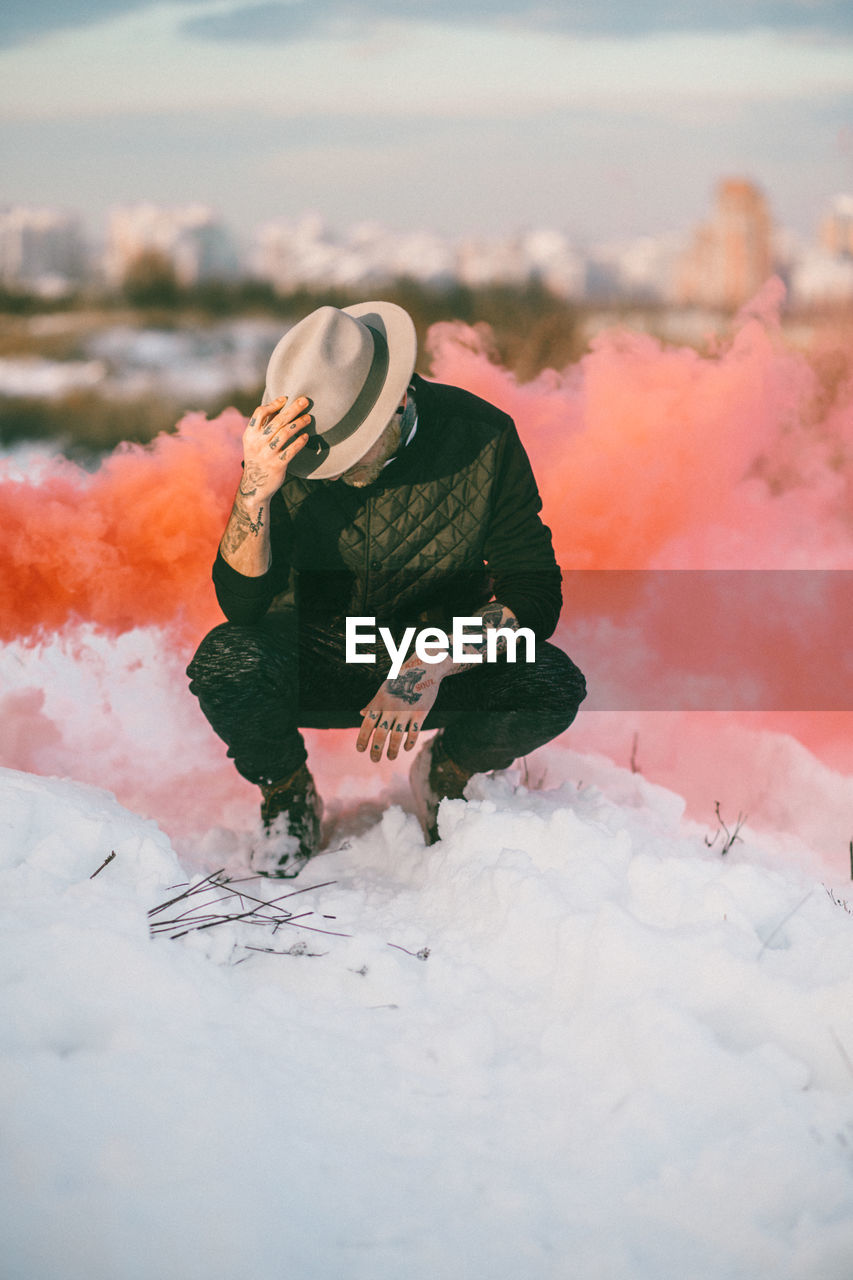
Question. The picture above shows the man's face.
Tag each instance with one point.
(367, 469)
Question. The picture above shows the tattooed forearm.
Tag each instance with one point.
(492, 614)
(496, 617)
(498, 623)
(500, 627)
(253, 476)
(239, 527)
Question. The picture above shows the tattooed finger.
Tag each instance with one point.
(379, 737)
(368, 727)
(395, 739)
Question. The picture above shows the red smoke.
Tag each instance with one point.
(657, 457)
(649, 457)
(129, 546)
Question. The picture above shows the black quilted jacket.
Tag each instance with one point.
(451, 522)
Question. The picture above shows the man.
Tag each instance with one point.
(369, 493)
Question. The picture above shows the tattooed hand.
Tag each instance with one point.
(273, 437)
(401, 705)
(275, 434)
(398, 711)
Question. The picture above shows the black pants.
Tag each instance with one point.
(258, 685)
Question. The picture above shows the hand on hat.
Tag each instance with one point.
(270, 442)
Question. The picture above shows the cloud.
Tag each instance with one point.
(290, 20)
(295, 19)
(23, 21)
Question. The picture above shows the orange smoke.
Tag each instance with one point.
(649, 458)
(129, 546)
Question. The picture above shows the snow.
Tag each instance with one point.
(570, 1039)
(39, 377)
(123, 361)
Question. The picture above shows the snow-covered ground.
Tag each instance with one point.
(569, 1040)
(123, 361)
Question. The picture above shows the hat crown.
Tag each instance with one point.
(327, 357)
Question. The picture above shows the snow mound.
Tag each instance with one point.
(567, 1040)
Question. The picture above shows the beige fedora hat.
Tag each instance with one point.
(354, 366)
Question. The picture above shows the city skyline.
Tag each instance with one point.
(467, 119)
(722, 262)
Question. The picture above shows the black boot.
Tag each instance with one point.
(291, 812)
(435, 777)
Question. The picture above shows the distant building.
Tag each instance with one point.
(419, 255)
(190, 240)
(552, 260)
(820, 279)
(498, 261)
(731, 255)
(302, 254)
(638, 270)
(823, 275)
(836, 231)
(305, 253)
(41, 250)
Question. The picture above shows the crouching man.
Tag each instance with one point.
(373, 499)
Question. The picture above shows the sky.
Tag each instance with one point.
(467, 117)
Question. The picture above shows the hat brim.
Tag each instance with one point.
(398, 330)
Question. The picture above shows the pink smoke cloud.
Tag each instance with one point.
(130, 545)
(650, 457)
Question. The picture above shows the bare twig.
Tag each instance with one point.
(840, 902)
(423, 954)
(106, 862)
(528, 782)
(188, 893)
(731, 836)
(298, 949)
(199, 912)
(635, 768)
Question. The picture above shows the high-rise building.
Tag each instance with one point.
(306, 253)
(731, 255)
(836, 231)
(190, 240)
(40, 249)
(823, 275)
